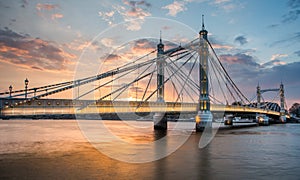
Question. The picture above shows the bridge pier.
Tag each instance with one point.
(160, 121)
(203, 120)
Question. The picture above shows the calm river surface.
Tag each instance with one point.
(57, 149)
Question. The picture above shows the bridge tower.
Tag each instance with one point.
(204, 116)
(160, 121)
(258, 94)
(282, 100)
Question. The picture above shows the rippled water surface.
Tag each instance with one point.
(57, 149)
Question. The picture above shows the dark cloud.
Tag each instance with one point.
(293, 12)
(273, 25)
(134, 4)
(112, 57)
(294, 3)
(24, 3)
(246, 73)
(288, 73)
(239, 59)
(145, 44)
(297, 52)
(241, 40)
(31, 52)
(291, 16)
(137, 8)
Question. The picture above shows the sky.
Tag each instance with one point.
(48, 42)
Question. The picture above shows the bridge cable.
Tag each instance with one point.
(227, 73)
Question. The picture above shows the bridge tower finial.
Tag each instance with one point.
(203, 27)
(203, 33)
(160, 41)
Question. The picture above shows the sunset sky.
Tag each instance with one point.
(45, 41)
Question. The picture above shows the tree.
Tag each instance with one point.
(295, 109)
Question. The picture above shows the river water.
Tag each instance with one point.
(70, 149)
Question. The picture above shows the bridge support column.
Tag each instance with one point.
(282, 117)
(204, 116)
(258, 94)
(159, 118)
(203, 120)
(160, 121)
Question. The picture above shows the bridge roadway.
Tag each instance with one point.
(21, 107)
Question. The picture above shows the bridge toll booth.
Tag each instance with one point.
(204, 116)
(159, 118)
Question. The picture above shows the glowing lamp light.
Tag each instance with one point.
(197, 118)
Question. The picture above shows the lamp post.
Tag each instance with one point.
(10, 90)
(26, 85)
(34, 92)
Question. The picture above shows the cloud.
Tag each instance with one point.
(175, 8)
(297, 53)
(293, 3)
(221, 1)
(275, 62)
(47, 7)
(276, 56)
(239, 58)
(24, 3)
(291, 16)
(222, 47)
(241, 40)
(33, 53)
(107, 16)
(107, 42)
(112, 57)
(293, 13)
(132, 12)
(57, 16)
(246, 72)
(45, 11)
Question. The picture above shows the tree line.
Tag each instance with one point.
(295, 109)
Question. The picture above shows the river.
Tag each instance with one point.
(70, 149)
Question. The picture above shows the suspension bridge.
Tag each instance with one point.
(187, 80)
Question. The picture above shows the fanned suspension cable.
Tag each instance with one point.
(227, 73)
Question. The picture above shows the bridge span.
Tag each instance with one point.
(202, 89)
(70, 108)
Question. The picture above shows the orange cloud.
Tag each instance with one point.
(47, 7)
(33, 53)
(57, 16)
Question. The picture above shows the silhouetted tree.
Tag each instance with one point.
(295, 109)
(237, 103)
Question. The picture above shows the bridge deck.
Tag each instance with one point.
(13, 107)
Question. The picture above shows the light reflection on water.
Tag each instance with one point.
(269, 152)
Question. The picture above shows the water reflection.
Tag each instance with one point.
(58, 150)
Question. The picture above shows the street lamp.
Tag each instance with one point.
(26, 85)
(34, 92)
(10, 90)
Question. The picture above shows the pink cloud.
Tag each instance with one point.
(47, 7)
(175, 8)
